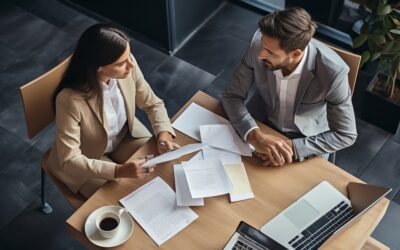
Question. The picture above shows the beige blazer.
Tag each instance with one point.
(81, 135)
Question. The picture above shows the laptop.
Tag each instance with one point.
(249, 238)
(320, 213)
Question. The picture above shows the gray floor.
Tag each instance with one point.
(36, 35)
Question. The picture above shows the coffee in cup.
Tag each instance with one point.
(108, 224)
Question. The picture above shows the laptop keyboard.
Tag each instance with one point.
(241, 245)
(313, 236)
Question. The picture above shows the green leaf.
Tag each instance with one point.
(376, 19)
(384, 9)
(386, 24)
(395, 49)
(387, 46)
(358, 41)
(375, 56)
(395, 31)
(364, 57)
(396, 10)
(373, 46)
(396, 21)
(379, 39)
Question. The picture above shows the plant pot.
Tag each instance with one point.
(379, 110)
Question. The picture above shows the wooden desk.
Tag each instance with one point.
(275, 188)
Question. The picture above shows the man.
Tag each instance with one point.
(300, 88)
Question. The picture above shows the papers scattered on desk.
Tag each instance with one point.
(240, 181)
(172, 155)
(206, 178)
(223, 136)
(199, 155)
(183, 197)
(153, 207)
(225, 156)
(190, 120)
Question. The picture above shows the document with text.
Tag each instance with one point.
(223, 136)
(183, 197)
(206, 178)
(153, 206)
(194, 116)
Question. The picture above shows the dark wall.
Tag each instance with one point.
(162, 23)
(189, 14)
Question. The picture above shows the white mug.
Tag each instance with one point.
(108, 224)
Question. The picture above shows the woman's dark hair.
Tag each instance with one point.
(99, 45)
(293, 28)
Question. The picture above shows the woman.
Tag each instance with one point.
(95, 103)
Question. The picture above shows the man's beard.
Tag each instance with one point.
(272, 67)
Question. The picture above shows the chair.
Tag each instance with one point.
(36, 99)
(353, 61)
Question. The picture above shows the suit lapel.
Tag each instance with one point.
(271, 78)
(306, 76)
(128, 93)
(92, 102)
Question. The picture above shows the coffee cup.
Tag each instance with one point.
(108, 224)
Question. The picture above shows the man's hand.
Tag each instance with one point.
(271, 148)
(165, 142)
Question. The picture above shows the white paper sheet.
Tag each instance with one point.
(153, 207)
(198, 156)
(223, 136)
(207, 178)
(225, 156)
(172, 155)
(194, 116)
(183, 197)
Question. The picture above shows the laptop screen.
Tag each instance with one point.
(258, 237)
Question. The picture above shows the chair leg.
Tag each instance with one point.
(46, 208)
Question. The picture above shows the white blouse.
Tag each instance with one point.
(115, 113)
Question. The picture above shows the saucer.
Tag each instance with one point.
(124, 232)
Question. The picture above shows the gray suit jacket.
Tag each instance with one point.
(323, 109)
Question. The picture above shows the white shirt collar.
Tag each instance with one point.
(110, 85)
(298, 70)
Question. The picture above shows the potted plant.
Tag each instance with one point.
(380, 38)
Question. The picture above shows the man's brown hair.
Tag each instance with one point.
(293, 28)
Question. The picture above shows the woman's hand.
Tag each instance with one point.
(132, 169)
(165, 143)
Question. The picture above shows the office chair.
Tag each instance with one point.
(353, 61)
(36, 98)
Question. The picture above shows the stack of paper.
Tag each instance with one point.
(206, 178)
(153, 207)
(205, 174)
(183, 196)
(240, 181)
